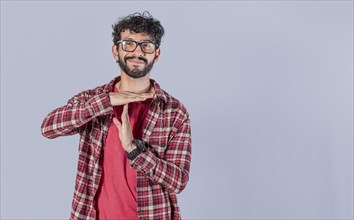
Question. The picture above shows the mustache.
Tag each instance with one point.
(135, 57)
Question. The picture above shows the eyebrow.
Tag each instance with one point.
(129, 38)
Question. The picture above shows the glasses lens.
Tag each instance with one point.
(128, 45)
(148, 47)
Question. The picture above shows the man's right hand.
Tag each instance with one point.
(122, 98)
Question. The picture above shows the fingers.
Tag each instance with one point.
(123, 98)
(141, 96)
(125, 111)
(148, 95)
(117, 123)
(124, 117)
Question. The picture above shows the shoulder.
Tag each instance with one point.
(174, 106)
(169, 103)
(174, 114)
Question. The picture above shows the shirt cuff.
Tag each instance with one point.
(144, 162)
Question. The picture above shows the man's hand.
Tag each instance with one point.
(125, 130)
(122, 98)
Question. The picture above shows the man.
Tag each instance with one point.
(135, 141)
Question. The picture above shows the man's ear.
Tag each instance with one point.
(157, 54)
(115, 52)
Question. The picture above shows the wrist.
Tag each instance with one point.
(131, 146)
(138, 146)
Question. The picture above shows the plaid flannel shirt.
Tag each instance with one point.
(162, 171)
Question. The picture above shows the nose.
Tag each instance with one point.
(138, 51)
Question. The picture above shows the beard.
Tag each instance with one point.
(135, 72)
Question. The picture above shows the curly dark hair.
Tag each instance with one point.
(139, 23)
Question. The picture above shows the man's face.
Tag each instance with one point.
(137, 63)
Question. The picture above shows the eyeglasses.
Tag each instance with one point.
(131, 45)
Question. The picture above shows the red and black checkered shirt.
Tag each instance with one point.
(162, 171)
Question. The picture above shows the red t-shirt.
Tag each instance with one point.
(116, 195)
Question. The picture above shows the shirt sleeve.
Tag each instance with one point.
(172, 172)
(79, 110)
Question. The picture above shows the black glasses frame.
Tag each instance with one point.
(138, 44)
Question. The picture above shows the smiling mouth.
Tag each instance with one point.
(136, 61)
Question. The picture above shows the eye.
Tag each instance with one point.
(128, 43)
(146, 45)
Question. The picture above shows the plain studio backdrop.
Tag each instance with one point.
(268, 85)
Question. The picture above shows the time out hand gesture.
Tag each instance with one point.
(125, 130)
(122, 98)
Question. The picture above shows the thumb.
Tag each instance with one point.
(117, 123)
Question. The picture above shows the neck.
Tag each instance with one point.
(129, 84)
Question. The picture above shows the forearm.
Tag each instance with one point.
(171, 171)
(80, 109)
(168, 174)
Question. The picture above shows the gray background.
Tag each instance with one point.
(268, 84)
